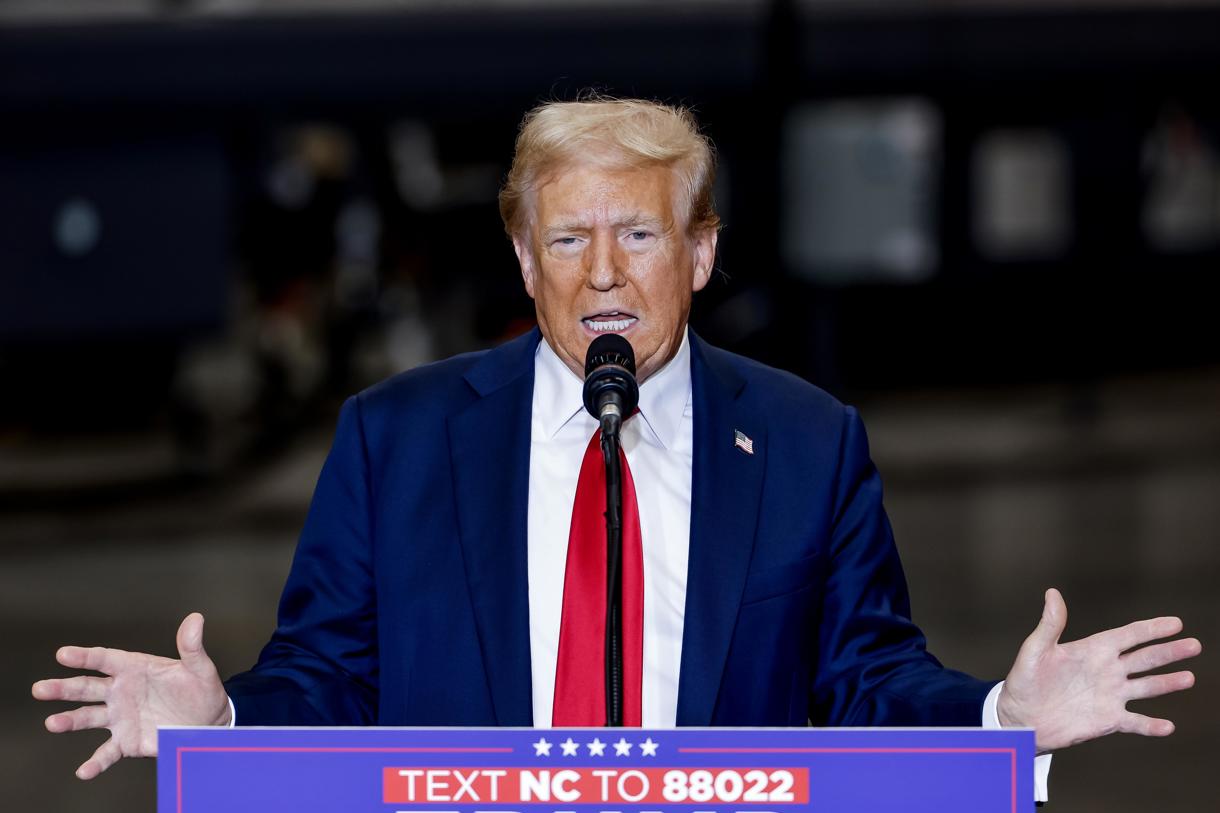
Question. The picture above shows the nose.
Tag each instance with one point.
(607, 269)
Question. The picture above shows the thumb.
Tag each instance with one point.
(190, 643)
(1054, 620)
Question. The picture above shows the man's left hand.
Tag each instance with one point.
(1073, 692)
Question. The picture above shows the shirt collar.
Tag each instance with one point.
(559, 393)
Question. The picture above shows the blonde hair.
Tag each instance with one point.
(618, 133)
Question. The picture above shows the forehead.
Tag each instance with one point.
(590, 195)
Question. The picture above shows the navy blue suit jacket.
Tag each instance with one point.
(407, 600)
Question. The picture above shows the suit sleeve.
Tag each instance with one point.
(873, 666)
(321, 667)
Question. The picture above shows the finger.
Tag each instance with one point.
(190, 644)
(1132, 723)
(1051, 625)
(105, 756)
(1141, 632)
(85, 689)
(1158, 655)
(80, 719)
(95, 658)
(1157, 685)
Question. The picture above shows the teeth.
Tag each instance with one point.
(602, 326)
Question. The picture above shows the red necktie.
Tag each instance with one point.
(580, 692)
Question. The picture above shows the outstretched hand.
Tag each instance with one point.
(1073, 692)
(138, 693)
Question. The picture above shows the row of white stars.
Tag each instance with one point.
(597, 748)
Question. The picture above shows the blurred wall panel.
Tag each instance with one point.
(126, 238)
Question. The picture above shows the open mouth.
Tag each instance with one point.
(609, 322)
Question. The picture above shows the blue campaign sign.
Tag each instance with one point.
(686, 770)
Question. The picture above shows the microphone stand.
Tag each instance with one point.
(614, 578)
(611, 395)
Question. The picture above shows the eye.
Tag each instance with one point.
(566, 245)
(639, 235)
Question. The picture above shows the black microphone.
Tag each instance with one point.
(611, 393)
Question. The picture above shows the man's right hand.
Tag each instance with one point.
(138, 693)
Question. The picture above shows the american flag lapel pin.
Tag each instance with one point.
(742, 441)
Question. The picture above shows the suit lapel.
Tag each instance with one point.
(726, 485)
(489, 443)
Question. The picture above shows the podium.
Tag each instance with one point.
(626, 770)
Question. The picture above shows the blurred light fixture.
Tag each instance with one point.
(1021, 184)
(428, 184)
(290, 183)
(304, 156)
(77, 227)
(417, 170)
(1181, 212)
(859, 190)
(357, 241)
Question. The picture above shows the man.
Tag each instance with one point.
(436, 577)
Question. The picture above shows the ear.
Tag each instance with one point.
(525, 259)
(705, 257)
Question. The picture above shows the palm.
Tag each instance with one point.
(138, 693)
(150, 691)
(1078, 691)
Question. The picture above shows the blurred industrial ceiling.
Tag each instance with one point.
(18, 12)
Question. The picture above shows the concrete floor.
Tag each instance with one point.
(1113, 495)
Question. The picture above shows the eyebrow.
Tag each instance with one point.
(632, 219)
(639, 219)
(563, 227)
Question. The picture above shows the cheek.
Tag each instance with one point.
(669, 289)
(552, 281)
(557, 293)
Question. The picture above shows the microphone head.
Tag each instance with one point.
(610, 348)
(610, 385)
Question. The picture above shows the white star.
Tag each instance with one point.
(542, 748)
(569, 747)
(648, 748)
(622, 748)
(597, 748)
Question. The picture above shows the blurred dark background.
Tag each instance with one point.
(994, 226)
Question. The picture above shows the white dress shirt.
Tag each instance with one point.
(659, 447)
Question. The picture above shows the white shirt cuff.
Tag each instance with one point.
(1042, 762)
(232, 714)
